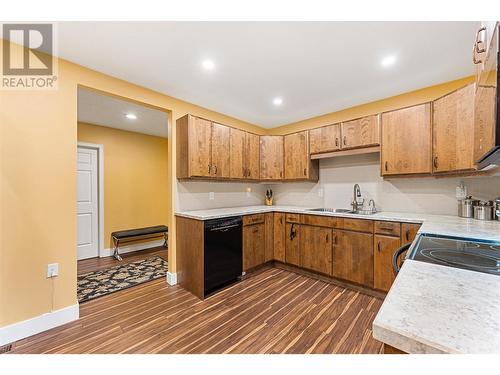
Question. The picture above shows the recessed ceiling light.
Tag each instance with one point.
(277, 101)
(131, 116)
(388, 61)
(208, 65)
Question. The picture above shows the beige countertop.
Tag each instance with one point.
(430, 308)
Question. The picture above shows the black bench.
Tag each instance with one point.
(138, 234)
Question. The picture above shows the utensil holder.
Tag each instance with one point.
(269, 201)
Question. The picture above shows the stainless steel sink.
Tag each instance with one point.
(333, 210)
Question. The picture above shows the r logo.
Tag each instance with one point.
(37, 42)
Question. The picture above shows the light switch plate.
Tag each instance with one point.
(321, 192)
(211, 195)
(52, 269)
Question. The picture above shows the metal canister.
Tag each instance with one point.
(466, 207)
(484, 210)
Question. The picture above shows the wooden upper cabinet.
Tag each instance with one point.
(362, 132)
(237, 153)
(252, 156)
(298, 165)
(452, 130)
(324, 139)
(220, 147)
(484, 120)
(271, 157)
(384, 248)
(316, 248)
(199, 150)
(406, 146)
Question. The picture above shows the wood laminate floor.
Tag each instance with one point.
(273, 311)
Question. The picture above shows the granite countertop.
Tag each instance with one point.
(431, 224)
(430, 308)
(436, 309)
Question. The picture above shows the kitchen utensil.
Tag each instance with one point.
(269, 197)
(466, 207)
(484, 210)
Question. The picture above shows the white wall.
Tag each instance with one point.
(194, 195)
(338, 175)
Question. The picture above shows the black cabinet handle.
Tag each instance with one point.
(386, 166)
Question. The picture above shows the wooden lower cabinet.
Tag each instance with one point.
(279, 237)
(292, 244)
(269, 235)
(316, 248)
(409, 232)
(353, 257)
(254, 242)
(384, 248)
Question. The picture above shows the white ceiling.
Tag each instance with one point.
(316, 67)
(99, 109)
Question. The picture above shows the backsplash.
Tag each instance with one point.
(194, 195)
(420, 195)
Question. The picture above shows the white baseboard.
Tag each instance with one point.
(30, 327)
(171, 278)
(132, 247)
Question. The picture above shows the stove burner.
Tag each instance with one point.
(481, 256)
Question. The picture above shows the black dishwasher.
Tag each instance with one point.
(223, 253)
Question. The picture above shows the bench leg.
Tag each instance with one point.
(165, 244)
(116, 255)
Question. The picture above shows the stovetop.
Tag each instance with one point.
(474, 255)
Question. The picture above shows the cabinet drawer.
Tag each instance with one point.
(357, 225)
(292, 218)
(253, 219)
(389, 228)
(320, 221)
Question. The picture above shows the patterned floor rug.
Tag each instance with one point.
(99, 283)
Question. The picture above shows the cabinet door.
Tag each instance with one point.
(361, 132)
(252, 156)
(237, 153)
(271, 157)
(279, 237)
(406, 141)
(199, 141)
(324, 139)
(484, 120)
(296, 155)
(353, 257)
(384, 248)
(453, 130)
(253, 245)
(220, 150)
(269, 237)
(292, 244)
(408, 232)
(316, 248)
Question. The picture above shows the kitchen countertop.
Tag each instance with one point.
(431, 224)
(430, 308)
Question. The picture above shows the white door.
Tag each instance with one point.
(87, 204)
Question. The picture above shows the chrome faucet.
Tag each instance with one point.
(357, 194)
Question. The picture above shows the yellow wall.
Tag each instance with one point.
(38, 141)
(135, 178)
(404, 100)
(38, 185)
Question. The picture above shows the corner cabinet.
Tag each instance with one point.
(452, 130)
(406, 146)
(244, 155)
(298, 164)
(271, 157)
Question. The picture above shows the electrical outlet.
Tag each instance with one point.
(321, 192)
(211, 195)
(52, 269)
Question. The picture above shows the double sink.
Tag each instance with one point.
(343, 211)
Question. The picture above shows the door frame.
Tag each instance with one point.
(100, 191)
